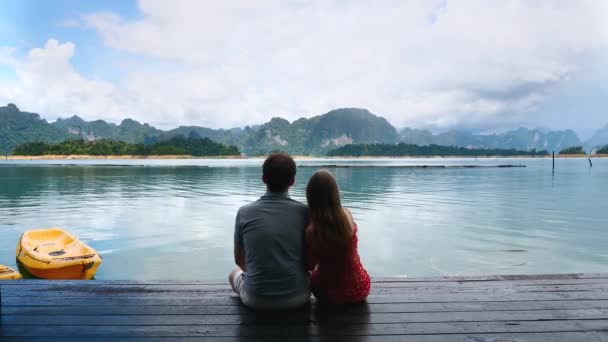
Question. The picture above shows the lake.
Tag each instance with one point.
(174, 219)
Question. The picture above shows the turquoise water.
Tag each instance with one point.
(173, 219)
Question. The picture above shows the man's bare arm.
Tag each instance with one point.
(239, 256)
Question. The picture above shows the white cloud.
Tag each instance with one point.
(420, 63)
(48, 83)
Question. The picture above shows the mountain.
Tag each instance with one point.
(521, 139)
(599, 139)
(17, 127)
(306, 136)
(346, 126)
(320, 134)
(301, 137)
(129, 130)
(232, 136)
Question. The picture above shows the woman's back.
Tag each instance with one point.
(339, 276)
(331, 237)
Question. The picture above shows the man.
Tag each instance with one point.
(269, 243)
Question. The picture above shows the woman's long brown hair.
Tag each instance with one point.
(331, 229)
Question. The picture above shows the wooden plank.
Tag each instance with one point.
(135, 299)
(304, 318)
(113, 291)
(312, 330)
(375, 296)
(98, 287)
(499, 297)
(59, 309)
(26, 282)
(485, 278)
(94, 301)
(531, 278)
(445, 286)
(197, 291)
(510, 337)
(488, 289)
(63, 290)
(600, 293)
(488, 308)
(497, 284)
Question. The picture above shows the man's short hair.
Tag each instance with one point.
(279, 171)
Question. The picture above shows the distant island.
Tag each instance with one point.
(603, 150)
(311, 136)
(176, 146)
(410, 150)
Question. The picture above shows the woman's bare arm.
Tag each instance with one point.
(310, 258)
(351, 220)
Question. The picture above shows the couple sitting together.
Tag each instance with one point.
(285, 249)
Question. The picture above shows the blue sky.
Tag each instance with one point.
(29, 24)
(472, 65)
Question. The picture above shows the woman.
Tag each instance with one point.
(331, 236)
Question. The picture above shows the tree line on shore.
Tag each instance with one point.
(573, 150)
(581, 150)
(196, 146)
(396, 150)
(178, 145)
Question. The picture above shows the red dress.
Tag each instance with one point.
(339, 282)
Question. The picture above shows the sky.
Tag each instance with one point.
(483, 66)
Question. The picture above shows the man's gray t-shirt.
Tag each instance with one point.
(271, 231)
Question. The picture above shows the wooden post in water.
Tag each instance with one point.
(590, 163)
(553, 161)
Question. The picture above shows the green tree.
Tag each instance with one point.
(573, 150)
(174, 146)
(397, 150)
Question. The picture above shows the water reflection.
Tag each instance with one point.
(176, 222)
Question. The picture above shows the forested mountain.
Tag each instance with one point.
(305, 136)
(234, 136)
(319, 134)
(129, 130)
(17, 127)
(301, 137)
(520, 139)
(599, 139)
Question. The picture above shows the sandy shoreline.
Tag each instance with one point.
(91, 157)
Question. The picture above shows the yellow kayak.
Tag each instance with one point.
(7, 273)
(55, 254)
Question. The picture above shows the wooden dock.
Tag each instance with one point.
(535, 308)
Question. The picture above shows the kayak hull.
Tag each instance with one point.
(74, 272)
(7, 273)
(55, 254)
